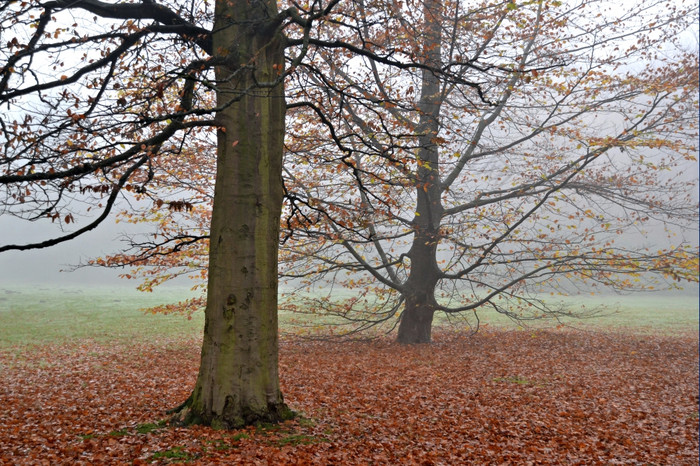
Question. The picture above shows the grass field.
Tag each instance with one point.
(639, 313)
(36, 315)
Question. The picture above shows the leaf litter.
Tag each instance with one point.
(500, 397)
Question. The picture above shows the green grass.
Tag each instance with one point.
(283, 435)
(175, 453)
(40, 315)
(150, 427)
(299, 439)
(666, 313)
(46, 314)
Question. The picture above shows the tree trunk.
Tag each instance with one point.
(238, 380)
(417, 317)
(416, 322)
(419, 290)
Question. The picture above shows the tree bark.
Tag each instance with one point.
(417, 317)
(416, 321)
(419, 290)
(238, 381)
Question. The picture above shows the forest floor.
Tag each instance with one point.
(499, 397)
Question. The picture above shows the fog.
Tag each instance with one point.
(56, 265)
(51, 265)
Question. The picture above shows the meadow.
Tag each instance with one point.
(43, 314)
(46, 314)
(86, 377)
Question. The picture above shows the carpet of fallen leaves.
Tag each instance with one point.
(500, 397)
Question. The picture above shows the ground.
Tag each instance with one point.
(502, 396)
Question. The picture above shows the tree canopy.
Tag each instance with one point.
(458, 157)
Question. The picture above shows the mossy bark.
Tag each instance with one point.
(238, 381)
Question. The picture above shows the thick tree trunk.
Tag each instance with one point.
(419, 291)
(238, 380)
(416, 322)
(417, 317)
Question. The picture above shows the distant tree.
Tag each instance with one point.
(454, 197)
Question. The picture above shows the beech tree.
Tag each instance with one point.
(573, 127)
(78, 129)
(101, 95)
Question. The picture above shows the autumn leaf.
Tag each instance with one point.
(563, 397)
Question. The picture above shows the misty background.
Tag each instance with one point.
(52, 265)
(56, 265)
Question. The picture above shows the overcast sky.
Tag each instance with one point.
(45, 265)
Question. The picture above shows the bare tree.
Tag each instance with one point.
(495, 150)
(571, 129)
